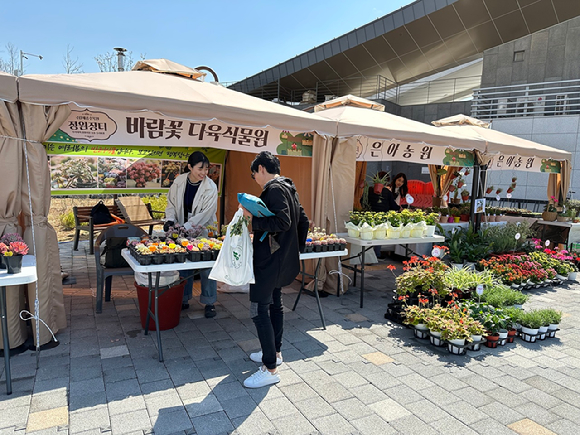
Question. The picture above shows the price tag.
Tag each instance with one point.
(508, 195)
(409, 199)
(479, 289)
(518, 235)
(436, 252)
(547, 243)
(497, 198)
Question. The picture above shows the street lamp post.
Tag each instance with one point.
(22, 56)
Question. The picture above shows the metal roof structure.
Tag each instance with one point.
(422, 38)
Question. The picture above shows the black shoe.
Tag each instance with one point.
(184, 307)
(210, 311)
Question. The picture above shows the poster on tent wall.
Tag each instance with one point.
(370, 150)
(84, 169)
(111, 127)
(506, 162)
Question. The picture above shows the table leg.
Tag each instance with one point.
(5, 340)
(303, 272)
(362, 275)
(317, 296)
(156, 317)
(148, 318)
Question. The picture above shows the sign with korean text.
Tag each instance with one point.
(504, 162)
(383, 150)
(111, 127)
(83, 169)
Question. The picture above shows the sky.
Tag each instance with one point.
(236, 39)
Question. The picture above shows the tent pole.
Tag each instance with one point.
(475, 218)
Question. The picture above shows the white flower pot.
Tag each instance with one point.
(405, 234)
(435, 338)
(421, 333)
(453, 346)
(421, 326)
(542, 330)
(572, 276)
(430, 231)
(417, 233)
(552, 328)
(380, 234)
(353, 233)
(366, 235)
(475, 342)
(502, 337)
(560, 277)
(394, 233)
(529, 334)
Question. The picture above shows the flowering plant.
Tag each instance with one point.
(551, 205)
(13, 248)
(11, 237)
(178, 231)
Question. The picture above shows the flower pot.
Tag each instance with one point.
(503, 335)
(380, 234)
(366, 235)
(529, 334)
(488, 191)
(456, 219)
(206, 256)
(451, 219)
(511, 335)
(465, 198)
(552, 328)
(143, 260)
(317, 248)
(549, 216)
(194, 256)
(170, 258)
(455, 201)
(563, 219)
(417, 233)
(421, 326)
(13, 264)
(572, 276)
(2, 266)
(405, 233)
(561, 277)
(180, 257)
(394, 233)
(491, 340)
(464, 217)
(435, 338)
(421, 331)
(378, 188)
(353, 233)
(456, 346)
(157, 259)
(443, 219)
(542, 330)
(430, 231)
(475, 342)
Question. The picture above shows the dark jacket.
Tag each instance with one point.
(382, 202)
(277, 258)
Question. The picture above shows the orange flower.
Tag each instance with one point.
(391, 267)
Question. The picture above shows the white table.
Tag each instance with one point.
(316, 256)
(154, 289)
(368, 244)
(26, 276)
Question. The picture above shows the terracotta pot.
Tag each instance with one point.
(378, 188)
(464, 218)
(488, 191)
(491, 340)
(465, 198)
(511, 335)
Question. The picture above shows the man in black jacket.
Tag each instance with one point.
(276, 262)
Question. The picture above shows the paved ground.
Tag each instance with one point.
(362, 375)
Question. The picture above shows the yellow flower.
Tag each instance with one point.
(200, 245)
(172, 246)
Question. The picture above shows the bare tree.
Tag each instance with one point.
(10, 63)
(70, 65)
(108, 62)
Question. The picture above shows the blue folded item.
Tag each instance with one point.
(255, 206)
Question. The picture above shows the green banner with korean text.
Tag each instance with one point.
(85, 169)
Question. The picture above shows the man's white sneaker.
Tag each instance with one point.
(262, 378)
(257, 357)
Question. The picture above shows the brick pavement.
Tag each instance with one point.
(362, 375)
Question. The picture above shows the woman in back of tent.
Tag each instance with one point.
(399, 188)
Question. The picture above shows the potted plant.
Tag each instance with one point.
(456, 244)
(379, 182)
(488, 190)
(444, 215)
(531, 322)
(512, 187)
(550, 211)
(12, 252)
(455, 212)
(476, 331)
(431, 221)
(498, 191)
(465, 195)
(457, 334)
(553, 318)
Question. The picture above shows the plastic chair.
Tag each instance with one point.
(105, 274)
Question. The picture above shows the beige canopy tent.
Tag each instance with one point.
(497, 142)
(43, 105)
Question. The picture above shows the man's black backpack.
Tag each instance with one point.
(112, 252)
(101, 214)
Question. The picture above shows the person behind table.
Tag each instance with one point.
(399, 188)
(192, 200)
(276, 262)
(383, 202)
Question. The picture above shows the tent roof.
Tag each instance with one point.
(8, 90)
(167, 94)
(356, 121)
(350, 100)
(167, 67)
(497, 141)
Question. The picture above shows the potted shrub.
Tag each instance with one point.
(553, 318)
(465, 195)
(456, 244)
(488, 190)
(550, 211)
(444, 215)
(455, 212)
(379, 182)
(431, 221)
(498, 191)
(531, 322)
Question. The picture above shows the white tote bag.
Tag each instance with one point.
(234, 263)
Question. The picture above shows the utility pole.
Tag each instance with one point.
(22, 56)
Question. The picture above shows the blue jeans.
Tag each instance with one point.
(269, 327)
(208, 287)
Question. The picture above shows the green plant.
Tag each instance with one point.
(455, 331)
(464, 193)
(455, 241)
(551, 316)
(415, 315)
(531, 319)
(444, 211)
(158, 202)
(377, 179)
(67, 220)
(455, 211)
(432, 218)
(551, 205)
(467, 280)
(500, 296)
(503, 238)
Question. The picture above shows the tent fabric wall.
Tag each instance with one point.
(360, 178)
(11, 157)
(559, 184)
(39, 125)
